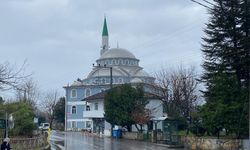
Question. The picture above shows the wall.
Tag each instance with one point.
(132, 135)
(197, 143)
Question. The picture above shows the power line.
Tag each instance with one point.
(201, 4)
(209, 2)
(184, 29)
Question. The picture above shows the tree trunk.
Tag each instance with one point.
(137, 128)
(129, 128)
(141, 128)
(112, 126)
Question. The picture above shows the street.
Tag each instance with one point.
(80, 141)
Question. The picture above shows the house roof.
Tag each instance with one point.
(102, 95)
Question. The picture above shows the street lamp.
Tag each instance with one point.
(110, 68)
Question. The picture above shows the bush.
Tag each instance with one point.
(23, 115)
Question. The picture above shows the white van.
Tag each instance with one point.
(44, 126)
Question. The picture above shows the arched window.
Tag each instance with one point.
(103, 81)
(73, 110)
(120, 80)
(113, 61)
(87, 108)
(73, 93)
(87, 92)
(126, 62)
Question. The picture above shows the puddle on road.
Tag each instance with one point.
(55, 145)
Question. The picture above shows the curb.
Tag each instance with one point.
(169, 146)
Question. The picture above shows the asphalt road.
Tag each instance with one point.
(81, 141)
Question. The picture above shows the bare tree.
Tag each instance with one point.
(10, 76)
(27, 92)
(178, 89)
(49, 104)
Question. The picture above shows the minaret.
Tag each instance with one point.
(105, 37)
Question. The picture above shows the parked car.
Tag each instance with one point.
(44, 126)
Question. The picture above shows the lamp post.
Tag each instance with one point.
(111, 82)
(6, 125)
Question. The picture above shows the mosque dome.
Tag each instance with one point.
(117, 53)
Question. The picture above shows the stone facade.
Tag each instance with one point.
(199, 143)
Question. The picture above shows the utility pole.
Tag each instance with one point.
(6, 125)
(111, 72)
(111, 82)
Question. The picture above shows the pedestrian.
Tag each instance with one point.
(6, 144)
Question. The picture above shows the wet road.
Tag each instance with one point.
(80, 141)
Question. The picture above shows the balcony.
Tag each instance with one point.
(93, 114)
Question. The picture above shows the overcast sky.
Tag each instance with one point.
(61, 39)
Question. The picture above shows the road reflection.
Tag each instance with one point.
(81, 141)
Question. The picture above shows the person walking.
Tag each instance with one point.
(6, 144)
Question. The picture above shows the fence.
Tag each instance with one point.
(28, 143)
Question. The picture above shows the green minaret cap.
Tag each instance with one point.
(105, 28)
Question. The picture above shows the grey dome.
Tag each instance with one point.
(117, 53)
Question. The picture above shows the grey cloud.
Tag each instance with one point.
(61, 38)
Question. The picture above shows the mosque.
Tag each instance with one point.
(85, 97)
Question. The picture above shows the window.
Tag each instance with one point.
(88, 124)
(103, 81)
(126, 62)
(73, 110)
(113, 61)
(73, 93)
(87, 108)
(73, 124)
(120, 80)
(87, 92)
(96, 106)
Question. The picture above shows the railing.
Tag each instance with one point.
(28, 143)
(93, 114)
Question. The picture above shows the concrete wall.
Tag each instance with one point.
(195, 143)
(132, 135)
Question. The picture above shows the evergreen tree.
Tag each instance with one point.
(120, 103)
(60, 110)
(226, 67)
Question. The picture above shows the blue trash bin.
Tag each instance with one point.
(119, 133)
(115, 133)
